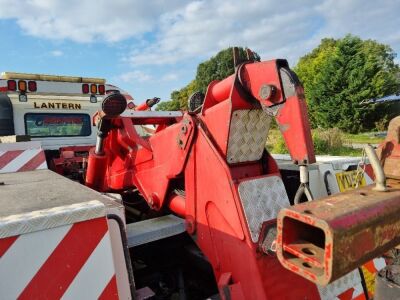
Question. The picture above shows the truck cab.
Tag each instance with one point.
(55, 110)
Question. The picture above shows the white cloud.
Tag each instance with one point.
(202, 28)
(134, 76)
(165, 32)
(85, 20)
(169, 77)
(286, 29)
(369, 19)
(57, 53)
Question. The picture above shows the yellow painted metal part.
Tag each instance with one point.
(348, 180)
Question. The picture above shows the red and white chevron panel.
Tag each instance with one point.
(349, 287)
(22, 160)
(67, 262)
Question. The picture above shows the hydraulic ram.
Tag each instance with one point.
(325, 239)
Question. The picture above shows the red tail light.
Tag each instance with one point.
(32, 86)
(22, 85)
(85, 88)
(11, 85)
(102, 89)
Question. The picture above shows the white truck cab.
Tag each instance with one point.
(56, 110)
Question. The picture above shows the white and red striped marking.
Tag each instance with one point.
(349, 287)
(68, 262)
(354, 293)
(22, 160)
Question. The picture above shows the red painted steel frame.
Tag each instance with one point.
(192, 151)
(70, 160)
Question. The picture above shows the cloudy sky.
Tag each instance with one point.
(152, 47)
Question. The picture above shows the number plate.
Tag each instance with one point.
(347, 180)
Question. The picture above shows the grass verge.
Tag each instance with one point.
(326, 142)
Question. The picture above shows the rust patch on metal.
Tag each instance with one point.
(327, 238)
(389, 151)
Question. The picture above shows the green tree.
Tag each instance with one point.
(339, 74)
(168, 105)
(179, 98)
(217, 67)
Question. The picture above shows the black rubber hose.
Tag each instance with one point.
(328, 190)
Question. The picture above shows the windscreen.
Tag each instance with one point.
(57, 125)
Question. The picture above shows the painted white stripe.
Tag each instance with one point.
(95, 273)
(25, 257)
(358, 290)
(20, 160)
(43, 166)
(379, 263)
(334, 289)
(2, 152)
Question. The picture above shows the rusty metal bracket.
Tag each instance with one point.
(325, 239)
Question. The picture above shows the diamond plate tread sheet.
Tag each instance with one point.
(262, 199)
(247, 135)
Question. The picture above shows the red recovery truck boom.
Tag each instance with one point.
(211, 168)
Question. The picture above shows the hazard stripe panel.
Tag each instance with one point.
(110, 292)
(6, 243)
(68, 262)
(7, 157)
(349, 287)
(94, 275)
(25, 257)
(22, 160)
(339, 286)
(34, 163)
(61, 267)
(354, 293)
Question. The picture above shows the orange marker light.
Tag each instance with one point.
(22, 85)
(93, 89)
